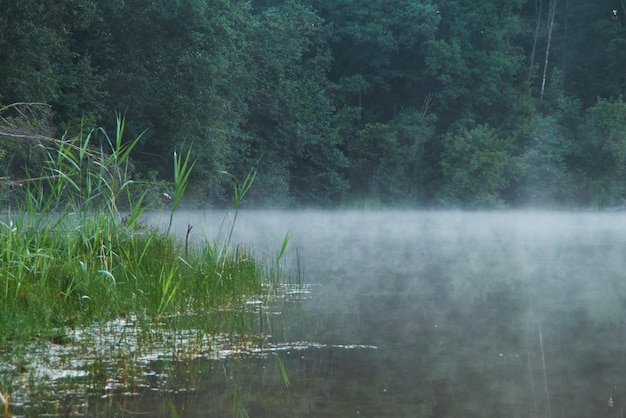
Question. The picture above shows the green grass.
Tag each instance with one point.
(72, 251)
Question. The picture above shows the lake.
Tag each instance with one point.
(430, 314)
(416, 314)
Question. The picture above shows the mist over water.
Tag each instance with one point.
(472, 313)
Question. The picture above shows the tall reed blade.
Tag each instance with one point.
(239, 192)
(182, 170)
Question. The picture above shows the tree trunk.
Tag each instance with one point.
(545, 64)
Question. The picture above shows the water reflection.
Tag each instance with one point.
(456, 303)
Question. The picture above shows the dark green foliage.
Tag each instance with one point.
(474, 65)
(41, 59)
(178, 68)
(603, 142)
(290, 117)
(340, 99)
(473, 165)
(373, 152)
(546, 179)
(378, 52)
(389, 163)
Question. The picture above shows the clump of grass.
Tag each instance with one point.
(73, 252)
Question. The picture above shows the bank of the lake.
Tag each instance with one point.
(86, 288)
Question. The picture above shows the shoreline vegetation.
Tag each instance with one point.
(73, 254)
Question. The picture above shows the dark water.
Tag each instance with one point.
(423, 314)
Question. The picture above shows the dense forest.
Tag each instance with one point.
(413, 103)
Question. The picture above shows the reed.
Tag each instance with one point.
(240, 189)
(72, 251)
(182, 170)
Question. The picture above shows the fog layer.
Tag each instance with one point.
(523, 309)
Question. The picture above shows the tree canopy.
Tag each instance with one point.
(419, 103)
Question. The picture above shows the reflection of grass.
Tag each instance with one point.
(4, 399)
(69, 257)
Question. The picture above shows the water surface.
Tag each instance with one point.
(402, 314)
(484, 314)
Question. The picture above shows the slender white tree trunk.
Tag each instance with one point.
(550, 26)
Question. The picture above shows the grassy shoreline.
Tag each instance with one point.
(70, 257)
(89, 296)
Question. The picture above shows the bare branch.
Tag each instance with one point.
(27, 121)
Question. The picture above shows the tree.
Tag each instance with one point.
(602, 155)
(178, 68)
(40, 60)
(378, 53)
(551, 14)
(418, 148)
(588, 48)
(376, 167)
(474, 165)
(474, 64)
(290, 115)
(392, 163)
(546, 178)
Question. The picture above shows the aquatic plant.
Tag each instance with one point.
(75, 259)
(240, 189)
(182, 170)
(73, 250)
